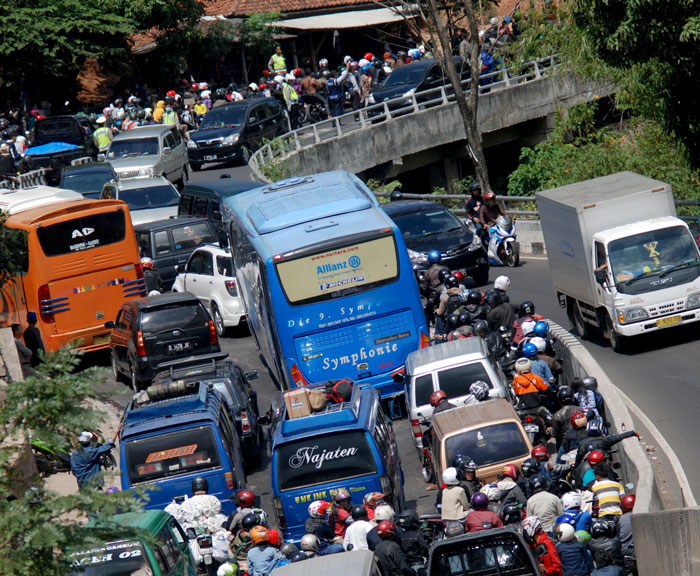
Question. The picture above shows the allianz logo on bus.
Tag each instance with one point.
(308, 455)
(352, 262)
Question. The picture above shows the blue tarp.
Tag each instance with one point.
(50, 148)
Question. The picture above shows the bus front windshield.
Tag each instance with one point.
(349, 268)
(650, 253)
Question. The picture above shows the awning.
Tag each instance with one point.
(349, 19)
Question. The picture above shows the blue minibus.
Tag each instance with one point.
(348, 444)
(165, 443)
(326, 281)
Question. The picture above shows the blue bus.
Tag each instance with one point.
(326, 281)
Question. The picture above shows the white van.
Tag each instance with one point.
(15, 201)
(451, 367)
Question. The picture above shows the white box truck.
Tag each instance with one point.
(620, 259)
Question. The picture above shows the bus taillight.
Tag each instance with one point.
(213, 337)
(143, 291)
(45, 306)
(140, 347)
(297, 376)
(424, 340)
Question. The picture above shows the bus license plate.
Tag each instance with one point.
(179, 346)
(210, 158)
(670, 321)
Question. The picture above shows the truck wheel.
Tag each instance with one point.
(617, 341)
(583, 328)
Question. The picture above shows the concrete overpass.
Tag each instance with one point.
(410, 132)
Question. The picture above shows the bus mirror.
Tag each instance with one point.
(109, 325)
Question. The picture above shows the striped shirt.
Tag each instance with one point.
(608, 493)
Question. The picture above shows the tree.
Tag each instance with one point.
(39, 527)
(13, 251)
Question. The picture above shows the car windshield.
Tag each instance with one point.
(489, 444)
(114, 559)
(454, 382)
(404, 75)
(182, 315)
(89, 184)
(224, 117)
(426, 222)
(150, 197)
(133, 148)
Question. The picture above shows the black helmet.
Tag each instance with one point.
(299, 557)
(451, 282)
(602, 529)
(565, 395)
(250, 520)
(408, 519)
(480, 327)
(589, 383)
(527, 308)
(530, 467)
(474, 297)
(358, 513)
(464, 318)
(453, 321)
(395, 195)
(443, 275)
(289, 550)
(169, 100)
(466, 464)
(511, 514)
(200, 484)
(133, 115)
(474, 186)
(220, 92)
(537, 483)
(492, 297)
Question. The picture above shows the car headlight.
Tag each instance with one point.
(146, 171)
(417, 257)
(628, 315)
(693, 301)
(476, 243)
(191, 144)
(231, 139)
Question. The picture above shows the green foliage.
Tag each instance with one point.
(40, 526)
(382, 189)
(279, 167)
(13, 251)
(257, 34)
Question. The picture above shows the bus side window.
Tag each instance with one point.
(382, 437)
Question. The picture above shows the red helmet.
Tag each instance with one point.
(386, 529)
(274, 537)
(595, 457)
(170, 93)
(627, 502)
(297, 72)
(540, 453)
(459, 275)
(578, 420)
(511, 470)
(369, 56)
(264, 72)
(245, 499)
(437, 397)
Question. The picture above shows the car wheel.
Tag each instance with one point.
(218, 321)
(245, 155)
(118, 376)
(181, 183)
(196, 167)
(132, 378)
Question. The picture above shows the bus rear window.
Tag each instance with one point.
(115, 559)
(171, 454)
(347, 269)
(82, 233)
(321, 459)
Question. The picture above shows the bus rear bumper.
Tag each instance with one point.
(86, 339)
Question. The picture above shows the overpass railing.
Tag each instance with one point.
(263, 161)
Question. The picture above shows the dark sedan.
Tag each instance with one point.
(430, 226)
(87, 179)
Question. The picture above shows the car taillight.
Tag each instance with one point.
(140, 348)
(245, 421)
(279, 512)
(45, 307)
(143, 291)
(297, 376)
(415, 426)
(424, 340)
(229, 480)
(231, 287)
(528, 419)
(213, 338)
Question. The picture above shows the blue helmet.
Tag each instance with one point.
(530, 350)
(541, 329)
(434, 257)
(594, 428)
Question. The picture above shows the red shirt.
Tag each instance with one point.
(547, 555)
(341, 524)
(475, 520)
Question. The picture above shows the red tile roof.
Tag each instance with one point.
(247, 7)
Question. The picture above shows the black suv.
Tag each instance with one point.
(231, 132)
(427, 226)
(235, 387)
(204, 199)
(170, 243)
(150, 331)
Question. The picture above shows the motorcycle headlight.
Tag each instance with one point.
(231, 139)
(148, 172)
(631, 315)
(191, 144)
(417, 257)
(476, 243)
(693, 301)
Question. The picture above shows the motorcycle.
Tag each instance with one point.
(534, 427)
(502, 246)
(51, 460)
(427, 468)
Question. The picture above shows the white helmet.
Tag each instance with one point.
(449, 476)
(205, 93)
(347, 59)
(279, 78)
(571, 500)
(85, 437)
(323, 63)
(253, 86)
(528, 326)
(290, 77)
(494, 21)
(531, 526)
(502, 283)
(539, 343)
(318, 508)
(363, 62)
(384, 512)
(227, 569)
(565, 532)
(101, 120)
(203, 85)
(522, 366)
(309, 543)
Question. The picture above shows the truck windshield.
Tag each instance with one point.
(651, 253)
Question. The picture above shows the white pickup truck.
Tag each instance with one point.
(620, 259)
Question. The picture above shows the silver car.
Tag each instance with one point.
(149, 151)
(149, 199)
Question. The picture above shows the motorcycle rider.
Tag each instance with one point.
(431, 278)
(608, 492)
(450, 300)
(473, 205)
(542, 545)
(389, 553)
(85, 460)
(439, 402)
(574, 557)
(526, 313)
(573, 515)
(561, 423)
(413, 543)
(501, 285)
(624, 524)
(590, 384)
(541, 345)
(527, 387)
(454, 498)
(202, 509)
(545, 505)
(356, 533)
(596, 440)
(493, 340)
(585, 397)
(245, 500)
(262, 557)
(539, 367)
(605, 544)
(500, 313)
(480, 517)
(488, 212)
(317, 524)
(466, 472)
(383, 512)
(340, 516)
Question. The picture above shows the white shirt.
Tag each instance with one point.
(356, 535)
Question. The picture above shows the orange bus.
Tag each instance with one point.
(83, 263)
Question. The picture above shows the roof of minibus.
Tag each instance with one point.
(299, 212)
(15, 201)
(35, 215)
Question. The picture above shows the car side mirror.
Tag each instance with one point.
(251, 376)
(216, 214)
(177, 267)
(600, 275)
(101, 157)
(264, 420)
(167, 149)
(109, 325)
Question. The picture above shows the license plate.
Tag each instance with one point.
(670, 321)
(210, 158)
(531, 428)
(101, 339)
(179, 346)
